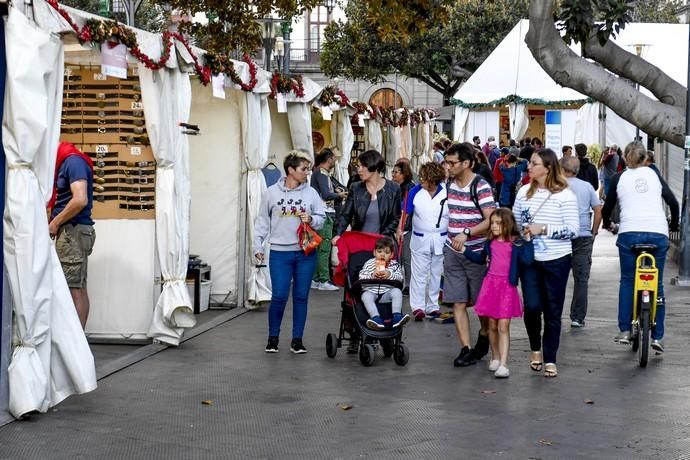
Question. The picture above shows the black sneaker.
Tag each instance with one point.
(481, 349)
(297, 347)
(465, 358)
(272, 345)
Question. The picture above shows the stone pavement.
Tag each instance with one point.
(285, 406)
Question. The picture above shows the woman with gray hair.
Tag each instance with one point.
(639, 193)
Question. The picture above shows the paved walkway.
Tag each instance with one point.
(284, 406)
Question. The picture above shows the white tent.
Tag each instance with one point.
(511, 76)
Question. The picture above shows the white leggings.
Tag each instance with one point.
(394, 295)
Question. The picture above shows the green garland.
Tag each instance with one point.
(517, 100)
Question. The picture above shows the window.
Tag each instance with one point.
(318, 20)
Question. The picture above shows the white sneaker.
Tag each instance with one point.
(502, 373)
(327, 286)
(315, 284)
(493, 365)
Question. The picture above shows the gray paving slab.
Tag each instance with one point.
(286, 406)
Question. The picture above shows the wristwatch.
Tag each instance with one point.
(467, 231)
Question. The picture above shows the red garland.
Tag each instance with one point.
(284, 84)
(204, 73)
(344, 100)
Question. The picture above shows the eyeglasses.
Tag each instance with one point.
(451, 163)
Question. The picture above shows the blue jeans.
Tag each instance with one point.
(543, 291)
(286, 266)
(627, 258)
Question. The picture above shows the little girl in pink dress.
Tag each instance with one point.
(498, 297)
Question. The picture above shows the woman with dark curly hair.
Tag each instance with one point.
(402, 175)
(427, 208)
(373, 204)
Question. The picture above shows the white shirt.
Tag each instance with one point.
(639, 197)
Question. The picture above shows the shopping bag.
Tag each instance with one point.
(308, 238)
(259, 287)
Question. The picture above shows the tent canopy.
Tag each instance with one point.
(511, 70)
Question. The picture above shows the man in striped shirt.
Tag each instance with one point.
(470, 203)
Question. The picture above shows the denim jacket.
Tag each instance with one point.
(522, 254)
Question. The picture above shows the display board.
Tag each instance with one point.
(104, 117)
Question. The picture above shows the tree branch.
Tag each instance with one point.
(443, 89)
(437, 78)
(568, 69)
(632, 67)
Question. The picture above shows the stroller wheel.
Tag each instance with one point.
(367, 354)
(388, 347)
(401, 355)
(331, 345)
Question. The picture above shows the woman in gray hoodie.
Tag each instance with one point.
(284, 207)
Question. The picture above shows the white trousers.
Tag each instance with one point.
(427, 267)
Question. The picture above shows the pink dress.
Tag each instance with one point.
(498, 298)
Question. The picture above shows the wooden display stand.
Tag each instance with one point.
(104, 117)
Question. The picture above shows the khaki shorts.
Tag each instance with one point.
(462, 278)
(74, 244)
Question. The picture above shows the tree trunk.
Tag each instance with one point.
(568, 69)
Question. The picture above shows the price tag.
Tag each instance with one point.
(68, 72)
(135, 71)
(137, 105)
(135, 151)
(101, 148)
(360, 121)
(100, 77)
(326, 113)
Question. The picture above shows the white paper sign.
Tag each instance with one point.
(114, 59)
(360, 120)
(102, 148)
(552, 130)
(135, 151)
(282, 103)
(99, 77)
(218, 85)
(137, 105)
(326, 113)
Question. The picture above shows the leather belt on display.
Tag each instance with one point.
(102, 154)
(100, 104)
(133, 189)
(141, 180)
(129, 164)
(140, 198)
(137, 207)
(144, 140)
(126, 172)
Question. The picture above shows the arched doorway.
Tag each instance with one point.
(386, 97)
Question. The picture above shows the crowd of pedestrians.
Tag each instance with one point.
(484, 224)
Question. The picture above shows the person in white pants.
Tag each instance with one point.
(427, 204)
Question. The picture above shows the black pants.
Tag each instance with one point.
(582, 263)
(543, 290)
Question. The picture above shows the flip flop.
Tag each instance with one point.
(537, 361)
(550, 370)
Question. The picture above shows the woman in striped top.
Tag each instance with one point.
(547, 210)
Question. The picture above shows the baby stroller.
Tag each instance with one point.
(354, 249)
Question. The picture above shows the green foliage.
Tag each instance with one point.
(446, 44)
(579, 18)
(149, 16)
(233, 24)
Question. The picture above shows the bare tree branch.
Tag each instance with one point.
(632, 67)
(568, 69)
(440, 88)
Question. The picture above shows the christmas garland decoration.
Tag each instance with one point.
(330, 94)
(517, 100)
(101, 31)
(283, 84)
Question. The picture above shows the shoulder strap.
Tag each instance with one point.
(473, 191)
(443, 202)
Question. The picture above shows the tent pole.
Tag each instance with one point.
(6, 312)
(242, 262)
(684, 258)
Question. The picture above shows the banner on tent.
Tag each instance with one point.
(553, 130)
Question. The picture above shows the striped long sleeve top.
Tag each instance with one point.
(560, 215)
(367, 273)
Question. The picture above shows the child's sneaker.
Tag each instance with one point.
(418, 314)
(494, 364)
(399, 319)
(502, 372)
(375, 323)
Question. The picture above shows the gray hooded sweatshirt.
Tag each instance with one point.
(278, 218)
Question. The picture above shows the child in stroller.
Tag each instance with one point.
(354, 250)
(382, 267)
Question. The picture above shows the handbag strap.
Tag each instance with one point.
(539, 208)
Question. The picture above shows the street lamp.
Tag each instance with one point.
(330, 5)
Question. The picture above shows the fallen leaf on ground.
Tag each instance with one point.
(346, 406)
(544, 442)
(207, 402)
(488, 392)
(589, 401)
